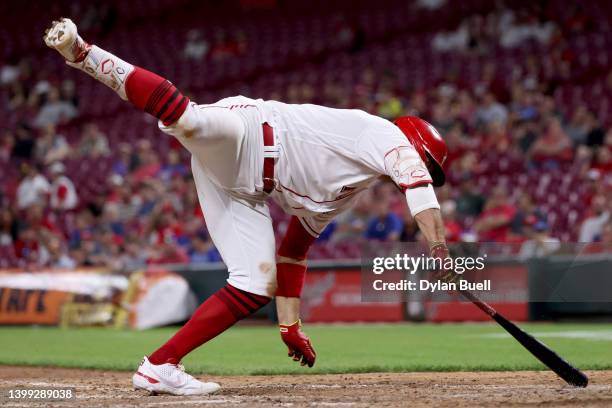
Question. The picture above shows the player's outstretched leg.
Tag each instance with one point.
(218, 313)
(144, 89)
(161, 372)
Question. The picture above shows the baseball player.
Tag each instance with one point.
(312, 160)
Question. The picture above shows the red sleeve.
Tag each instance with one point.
(290, 276)
(297, 241)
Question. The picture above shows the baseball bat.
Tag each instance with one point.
(549, 358)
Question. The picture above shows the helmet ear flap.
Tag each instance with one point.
(436, 171)
(428, 143)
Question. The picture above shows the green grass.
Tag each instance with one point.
(340, 348)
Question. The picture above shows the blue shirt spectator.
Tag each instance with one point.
(387, 227)
(328, 232)
(202, 250)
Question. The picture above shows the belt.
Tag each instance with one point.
(271, 153)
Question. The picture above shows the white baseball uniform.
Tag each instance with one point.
(323, 159)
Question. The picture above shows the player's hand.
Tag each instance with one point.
(298, 344)
(439, 250)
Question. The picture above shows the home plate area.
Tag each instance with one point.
(96, 388)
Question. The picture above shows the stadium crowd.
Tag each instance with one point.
(147, 212)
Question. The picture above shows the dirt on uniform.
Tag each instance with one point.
(96, 388)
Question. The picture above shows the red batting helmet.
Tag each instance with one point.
(428, 142)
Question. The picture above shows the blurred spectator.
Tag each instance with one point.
(41, 220)
(328, 232)
(196, 46)
(33, 188)
(133, 256)
(596, 133)
(226, 46)
(527, 214)
(452, 228)
(390, 106)
(491, 110)
(147, 162)
(496, 137)
(83, 227)
(348, 34)
(493, 224)
(8, 227)
(68, 93)
(148, 198)
(7, 144)
(540, 243)
(123, 163)
(27, 246)
(604, 245)
(430, 4)
(606, 236)
(524, 103)
(202, 250)
(173, 167)
(93, 142)
(578, 127)
(456, 40)
(553, 146)
(33, 233)
(17, 92)
(591, 227)
(167, 254)
(100, 16)
(469, 202)
(410, 229)
(503, 25)
(464, 109)
(63, 194)
(478, 39)
(55, 110)
(384, 225)
(39, 92)
(165, 227)
(352, 222)
(50, 146)
(492, 80)
(578, 21)
(10, 71)
(111, 219)
(57, 256)
(24, 143)
(525, 27)
(602, 160)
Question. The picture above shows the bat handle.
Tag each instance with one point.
(481, 304)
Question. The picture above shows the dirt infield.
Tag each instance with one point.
(113, 389)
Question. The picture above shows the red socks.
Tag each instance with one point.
(214, 316)
(155, 95)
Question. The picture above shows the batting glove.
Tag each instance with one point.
(439, 250)
(298, 344)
